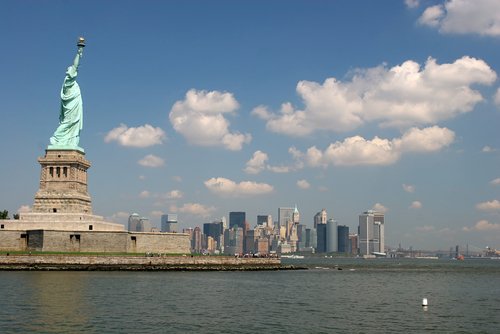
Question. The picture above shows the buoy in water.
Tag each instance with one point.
(424, 302)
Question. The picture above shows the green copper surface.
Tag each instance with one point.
(67, 134)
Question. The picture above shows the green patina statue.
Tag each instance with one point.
(67, 134)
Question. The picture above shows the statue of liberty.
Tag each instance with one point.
(67, 134)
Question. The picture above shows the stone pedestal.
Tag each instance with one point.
(63, 183)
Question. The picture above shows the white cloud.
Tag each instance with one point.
(152, 161)
(142, 136)
(483, 225)
(412, 3)
(24, 208)
(379, 208)
(228, 188)
(416, 205)
(425, 140)
(195, 209)
(409, 188)
(496, 98)
(257, 163)
(495, 182)
(174, 194)
(488, 149)
(432, 16)
(144, 194)
(200, 119)
(480, 17)
(303, 184)
(359, 151)
(402, 96)
(493, 205)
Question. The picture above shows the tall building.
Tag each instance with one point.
(320, 218)
(133, 221)
(238, 219)
(331, 236)
(214, 230)
(311, 238)
(285, 215)
(233, 241)
(321, 238)
(265, 220)
(169, 223)
(371, 233)
(196, 242)
(343, 239)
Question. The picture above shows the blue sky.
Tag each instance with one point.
(206, 107)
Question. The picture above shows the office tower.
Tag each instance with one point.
(250, 238)
(311, 238)
(214, 230)
(331, 236)
(301, 237)
(285, 215)
(196, 242)
(238, 219)
(371, 233)
(320, 218)
(141, 224)
(321, 238)
(133, 221)
(343, 239)
(265, 220)
(169, 223)
(233, 240)
(353, 241)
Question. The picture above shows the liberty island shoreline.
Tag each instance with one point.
(61, 262)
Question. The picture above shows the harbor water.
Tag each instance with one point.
(332, 296)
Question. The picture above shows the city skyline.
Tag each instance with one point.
(199, 109)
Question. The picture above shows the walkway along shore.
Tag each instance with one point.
(135, 263)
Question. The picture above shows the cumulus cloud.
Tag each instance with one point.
(257, 163)
(152, 161)
(416, 205)
(480, 17)
(483, 225)
(200, 119)
(360, 151)
(409, 188)
(379, 208)
(174, 194)
(403, 96)
(495, 182)
(493, 205)
(228, 188)
(142, 136)
(24, 208)
(303, 184)
(195, 209)
(488, 149)
(412, 3)
(496, 98)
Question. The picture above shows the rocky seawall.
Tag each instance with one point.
(138, 263)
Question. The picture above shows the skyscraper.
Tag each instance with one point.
(331, 236)
(133, 221)
(266, 220)
(321, 238)
(285, 215)
(371, 233)
(238, 219)
(343, 239)
(320, 218)
(169, 223)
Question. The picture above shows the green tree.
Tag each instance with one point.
(15, 216)
(4, 214)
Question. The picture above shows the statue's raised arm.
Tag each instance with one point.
(67, 134)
